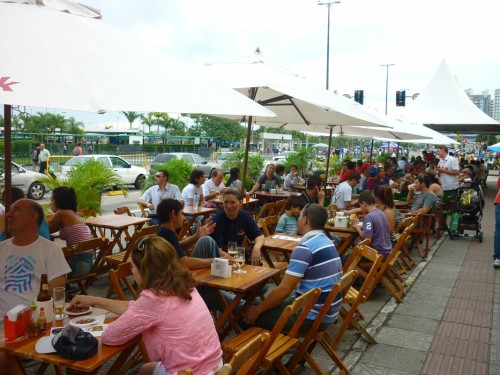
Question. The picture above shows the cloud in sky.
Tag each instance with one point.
(413, 35)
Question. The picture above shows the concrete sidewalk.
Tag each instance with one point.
(448, 322)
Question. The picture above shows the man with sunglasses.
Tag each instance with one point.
(314, 263)
(155, 194)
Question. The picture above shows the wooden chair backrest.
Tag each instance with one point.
(399, 244)
(280, 207)
(304, 304)
(342, 287)
(143, 209)
(138, 234)
(122, 210)
(98, 245)
(268, 224)
(86, 212)
(244, 360)
(123, 271)
(267, 209)
(404, 224)
(373, 275)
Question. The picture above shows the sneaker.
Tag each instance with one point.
(496, 263)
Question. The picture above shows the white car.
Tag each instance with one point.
(129, 174)
(195, 160)
(25, 180)
(280, 158)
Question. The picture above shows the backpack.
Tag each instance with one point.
(75, 151)
(34, 155)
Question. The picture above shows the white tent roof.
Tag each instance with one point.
(444, 106)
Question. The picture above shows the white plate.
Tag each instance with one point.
(74, 321)
(78, 313)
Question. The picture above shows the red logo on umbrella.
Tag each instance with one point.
(4, 85)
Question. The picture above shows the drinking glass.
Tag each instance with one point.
(240, 260)
(232, 248)
(59, 296)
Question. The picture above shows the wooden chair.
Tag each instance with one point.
(424, 224)
(267, 225)
(279, 342)
(100, 247)
(124, 210)
(144, 210)
(315, 335)
(267, 209)
(354, 297)
(117, 277)
(388, 275)
(244, 360)
(280, 207)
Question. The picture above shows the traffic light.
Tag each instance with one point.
(400, 98)
(358, 96)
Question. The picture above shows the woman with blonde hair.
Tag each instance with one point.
(172, 318)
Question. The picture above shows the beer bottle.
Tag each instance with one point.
(44, 293)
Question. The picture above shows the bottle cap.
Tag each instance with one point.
(33, 304)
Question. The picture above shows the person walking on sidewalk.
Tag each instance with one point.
(496, 237)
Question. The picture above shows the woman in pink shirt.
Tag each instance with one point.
(172, 318)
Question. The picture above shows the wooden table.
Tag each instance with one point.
(347, 235)
(117, 224)
(193, 213)
(240, 284)
(279, 242)
(26, 349)
(402, 204)
(276, 196)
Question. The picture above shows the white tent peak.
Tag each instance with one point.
(66, 6)
(443, 105)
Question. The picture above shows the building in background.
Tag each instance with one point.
(482, 101)
(496, 106)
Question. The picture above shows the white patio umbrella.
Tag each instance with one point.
(295, 100)
(60, 54)
(320, 145)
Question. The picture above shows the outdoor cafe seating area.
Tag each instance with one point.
(365, 270)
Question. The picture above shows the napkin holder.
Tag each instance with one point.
(221, 268)
(17, 328)
(341, 221)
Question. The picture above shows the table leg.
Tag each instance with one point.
(122, 358)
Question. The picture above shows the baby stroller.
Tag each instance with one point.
(468, 211)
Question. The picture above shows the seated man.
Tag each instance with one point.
(292, 178)
(233, 224)
(375, 224)
(213, 187)
(423, 199)
(313, 192)
(314, 263)
(155, 194)
(205, 249)
(342, 198)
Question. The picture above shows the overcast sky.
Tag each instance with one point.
(413, 35)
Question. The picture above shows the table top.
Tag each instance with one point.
(304, 187)
(285, 194)
(238, 283)
(204, 211)
(115, 221)
(401, 203)
(332, 228)
(279, 241)
(26, 349)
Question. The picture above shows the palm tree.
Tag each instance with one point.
(149, 120)
(131, 117)
(74, 127)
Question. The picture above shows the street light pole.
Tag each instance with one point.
(329, 4)
(386, 83)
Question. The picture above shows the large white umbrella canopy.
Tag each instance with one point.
(294, 99)
(60, 54)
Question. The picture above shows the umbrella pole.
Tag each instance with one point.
(7, 111)
(328, 156)
(371, 152)
(245, 159)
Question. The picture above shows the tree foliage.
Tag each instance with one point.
(302, 158)
(254, 166)
(131, 117)
(178, 170)
(88, 180)
(223, 129)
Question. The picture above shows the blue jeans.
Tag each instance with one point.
(154, 219)
(496, 236)
(80, 264)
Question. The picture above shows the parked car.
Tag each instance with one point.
(196, 161)
(221, 159)
(280, 158)
(129, 174)
(25, 180)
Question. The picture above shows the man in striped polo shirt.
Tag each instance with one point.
(314, 263)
